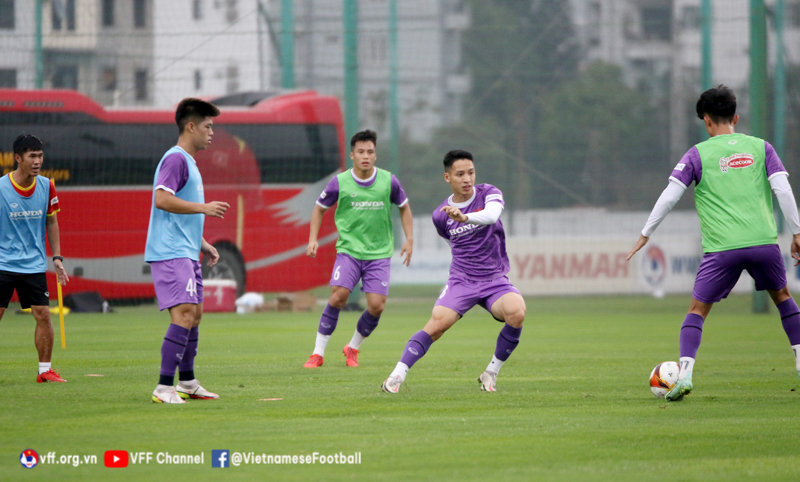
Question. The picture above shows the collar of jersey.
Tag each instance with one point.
(364, 182)
(20, 187)
(465, 203)
(187, 154)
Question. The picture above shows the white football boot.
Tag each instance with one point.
(488, 381)
(392, 384)
(192, 389)
(166, 394)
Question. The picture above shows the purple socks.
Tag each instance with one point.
(691, 334)
(367, 323)
(507, 340)
(416, 348)
(172, 351)
(328, 320)
(790, 318)
(186, 366)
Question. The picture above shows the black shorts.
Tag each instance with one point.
(31, 289)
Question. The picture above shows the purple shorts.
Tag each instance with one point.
(461, 295)
(719, 272)
(177, 281)
(374, 274)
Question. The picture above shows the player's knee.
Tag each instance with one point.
(515, 318)
(41, 314)
(338, 300)
(781, 295)
(376, 309)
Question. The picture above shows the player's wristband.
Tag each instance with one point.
(60, 258)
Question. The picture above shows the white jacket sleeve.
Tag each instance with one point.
(490, 214)
(671, 195)
(779, 182)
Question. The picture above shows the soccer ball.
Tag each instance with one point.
(663, 378)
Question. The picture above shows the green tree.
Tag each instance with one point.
(599, 138)
(517, 51)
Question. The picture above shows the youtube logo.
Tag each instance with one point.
(116, 459)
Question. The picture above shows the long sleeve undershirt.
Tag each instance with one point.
(779, 183)
(490, 214)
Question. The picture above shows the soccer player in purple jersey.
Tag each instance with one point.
(735, 176)
(469, 221)
(365, 196)
(174, 243)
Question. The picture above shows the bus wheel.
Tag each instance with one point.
(229, 266)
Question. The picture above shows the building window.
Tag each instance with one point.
(139, 19)
(232, 79)
(65, 77)
(7, 15)
(593, 24)
(8, 78)
(231, 13)
(140, 82)
(197, 9)
(690, 17)
(793, 14)
(198, 79)
(657, 23)
(64, 10)
(108, 13)
(108, 79)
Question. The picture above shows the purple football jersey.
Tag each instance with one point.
(479, 251)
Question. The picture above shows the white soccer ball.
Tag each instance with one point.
(663, 377)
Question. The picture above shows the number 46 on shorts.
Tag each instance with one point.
(191, 287)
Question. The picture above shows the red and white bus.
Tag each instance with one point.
(270, 158)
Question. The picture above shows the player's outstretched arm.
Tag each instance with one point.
(167, 201)
(639, 245)
(54, 237)
(315, 225)
(779, 183)
(210, 252)
(407, 220)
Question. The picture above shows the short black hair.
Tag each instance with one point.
(454, 156)
(26, 142)
(193, 110)
(719, 103)
(364, 136)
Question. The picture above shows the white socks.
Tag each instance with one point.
(796, 350)
(687, 365)
(357, 340)
(400, 370)
(322, 342)
(495, 365)
(44, 367)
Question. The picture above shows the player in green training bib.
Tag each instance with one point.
(364, 250)
(735, 176)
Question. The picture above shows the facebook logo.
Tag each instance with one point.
(220, 459)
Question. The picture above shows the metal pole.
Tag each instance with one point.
(39, 80)
(758, 99)
(394, 103)
(287, 44)
(351, 121)
(780, 81)
(350, 18)
(706, 25)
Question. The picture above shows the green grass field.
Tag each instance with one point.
(573, 401)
